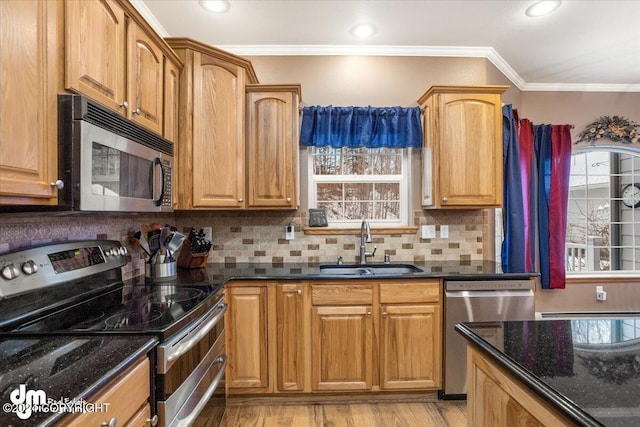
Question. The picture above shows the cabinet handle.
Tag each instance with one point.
(288, 199)
(137, 111)
(299, 291)
(113, 422)
(445, 200)
(59, 184)
(240, 200)
(125, 105)
(153, 421)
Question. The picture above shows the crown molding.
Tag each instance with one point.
(383, 50)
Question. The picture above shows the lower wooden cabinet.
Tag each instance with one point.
(127, 397)
(328, 336)
(246, 345)
(496, 399)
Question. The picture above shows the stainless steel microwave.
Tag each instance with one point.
(109, 163)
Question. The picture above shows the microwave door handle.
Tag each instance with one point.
(156, 162)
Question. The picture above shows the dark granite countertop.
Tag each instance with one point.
(65, 368)
(589, 369)
(221, 273)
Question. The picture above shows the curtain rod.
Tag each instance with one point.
(421, 110)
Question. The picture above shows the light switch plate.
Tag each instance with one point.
(428, 232)
(444, 231)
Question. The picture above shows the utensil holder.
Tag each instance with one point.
(161, 272)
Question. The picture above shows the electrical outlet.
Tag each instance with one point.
(444, 231)
(601, 294)
(428, 232)
(289, 232)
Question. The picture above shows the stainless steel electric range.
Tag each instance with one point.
(76, 288)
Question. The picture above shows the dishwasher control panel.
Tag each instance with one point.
(488, 285)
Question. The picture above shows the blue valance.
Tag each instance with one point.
(370, 127)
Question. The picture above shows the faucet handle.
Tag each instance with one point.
(340, 262)
(375, 248)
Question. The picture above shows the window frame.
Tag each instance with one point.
(403, 179)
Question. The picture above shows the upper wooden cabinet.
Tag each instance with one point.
(211, 153)
(114, 57)
(272, 145)
(29, 67)
(462, 155)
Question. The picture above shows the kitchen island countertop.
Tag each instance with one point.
(588, 369)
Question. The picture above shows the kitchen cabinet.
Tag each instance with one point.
(211, 152)
(246, 322)
(411, 335)
(292, 325)
(127, 397)
(29, 66)
(496, 398)
(342, 337)
(462, 154)
(272, 145)
(113, 56)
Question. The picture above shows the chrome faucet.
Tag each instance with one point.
(365, 237)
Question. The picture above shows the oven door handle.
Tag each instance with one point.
(202, 330)
(189, 419)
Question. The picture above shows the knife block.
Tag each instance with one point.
(190, 260)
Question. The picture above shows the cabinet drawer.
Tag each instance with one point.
(341, 294)
(125, 395)
(393, 292)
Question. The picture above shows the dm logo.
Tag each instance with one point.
(25, 400)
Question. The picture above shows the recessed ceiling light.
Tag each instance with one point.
(217, 6)
(542, 7)
(363, 30)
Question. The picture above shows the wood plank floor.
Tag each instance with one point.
(436, 414)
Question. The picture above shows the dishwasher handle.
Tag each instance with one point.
(488, 294)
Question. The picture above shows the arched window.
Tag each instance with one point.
(603, 221)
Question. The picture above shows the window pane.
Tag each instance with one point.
(358, 191)
(329, 192)
(387, 162)
(387, 191)
(334, 210)
(387, 210)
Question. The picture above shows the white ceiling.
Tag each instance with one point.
(584, 45)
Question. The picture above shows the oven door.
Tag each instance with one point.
(190, 371)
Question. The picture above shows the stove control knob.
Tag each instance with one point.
(123, 250)
(9, 272)
(29, 267)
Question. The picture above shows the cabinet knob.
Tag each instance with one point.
(384, 314)
(240, 200)
(137, 111)
(288, 199)
(125, 105)
(59, 184)
(445, 200)
(368, 314)
(153, 421)
(299, 292)
(113, 422)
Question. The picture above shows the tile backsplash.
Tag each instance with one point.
(257, 237)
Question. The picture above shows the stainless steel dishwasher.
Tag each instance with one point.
(478, 301)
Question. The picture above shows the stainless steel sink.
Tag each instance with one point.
(368, 269)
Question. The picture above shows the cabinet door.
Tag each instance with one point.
(272, 131)
(95, 51)
(170, 111)
(145, 82)
(410, 353)
(291, 337)
(341, 348)
(246, 346)
(28, 102)
(218, 136)
(470, 150)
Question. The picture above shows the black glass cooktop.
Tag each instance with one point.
(155, 309)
